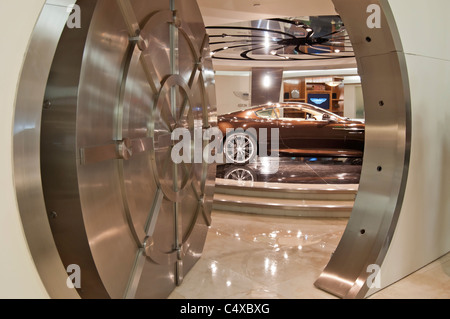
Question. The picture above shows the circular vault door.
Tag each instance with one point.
(127, 204)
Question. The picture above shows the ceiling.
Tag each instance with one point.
(222, 12)
(219, 12)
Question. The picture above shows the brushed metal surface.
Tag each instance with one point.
(26, 143)
(119, 207)
(382, 67)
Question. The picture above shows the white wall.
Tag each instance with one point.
(353, 101)
(359, 102)
(228, 83)
(18, 274)
(350, 101)
(423, 231)
(353, 97)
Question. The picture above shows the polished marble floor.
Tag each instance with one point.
(299, 170)
(250, 256)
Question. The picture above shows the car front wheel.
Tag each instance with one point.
(240, 148)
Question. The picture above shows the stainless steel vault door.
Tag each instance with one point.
(119, 207)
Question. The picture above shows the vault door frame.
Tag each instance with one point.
(387, 102)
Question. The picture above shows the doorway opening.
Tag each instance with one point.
(277, 220)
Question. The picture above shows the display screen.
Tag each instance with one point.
(320, 100)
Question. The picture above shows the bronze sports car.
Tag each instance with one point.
(303, 130)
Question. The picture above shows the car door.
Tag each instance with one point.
(354, 137)
(305, 131)
(333, 135)
(297, 133)
(266, 125)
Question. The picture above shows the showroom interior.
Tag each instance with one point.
(90, 185)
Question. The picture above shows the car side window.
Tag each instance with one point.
(266, 113)
(313, 116)
(293, 113)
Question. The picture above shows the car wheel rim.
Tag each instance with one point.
(239, 148)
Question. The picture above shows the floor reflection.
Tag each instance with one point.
(249, 256)
(299, 170)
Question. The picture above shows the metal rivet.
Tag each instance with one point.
(47, 104)
(53, 215)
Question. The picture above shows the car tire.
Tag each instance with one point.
(240, 148)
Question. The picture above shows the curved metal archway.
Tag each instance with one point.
(382, 66)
